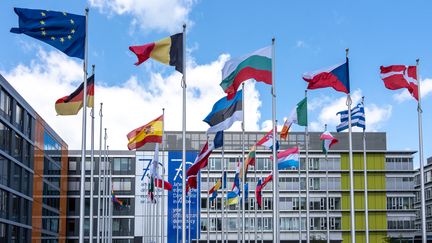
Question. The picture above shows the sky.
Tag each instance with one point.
(310, 35)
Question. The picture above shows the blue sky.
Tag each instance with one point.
(309, 35)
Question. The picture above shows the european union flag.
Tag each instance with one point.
(61, 30)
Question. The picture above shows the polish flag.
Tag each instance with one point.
(399, 77)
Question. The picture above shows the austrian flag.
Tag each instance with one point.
(399, 77)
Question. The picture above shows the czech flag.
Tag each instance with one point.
(336, 77)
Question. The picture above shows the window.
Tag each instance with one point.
(19, 116)
(122, 165)
(5, 103)
(17, 152)
(16, 205)
(16, 177)
(3, 203)
(4, 171)
(5, 134)
(3, 232)
(72, 165)
(122, 184)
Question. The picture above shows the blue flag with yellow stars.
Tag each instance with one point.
(61, 30)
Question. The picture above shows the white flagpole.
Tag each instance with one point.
(243, 180)
(208, 205)
(103, 192)
(365, 184)
(144, 215)
(92, 168)
(299, 204)
(99, 178)
(327, 196)
(255, 204)
(351, 169)
(307, 181)
(105, 233)
(198, 203)
(163, 180)
(83, 141)
(157, 196)
(422, 182)
(276, 229)
(177, 219)
(262, 209)
(190, 215)
(110, 202)
(223, 187)
(184, 140)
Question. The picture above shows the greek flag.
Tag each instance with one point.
(357, 118)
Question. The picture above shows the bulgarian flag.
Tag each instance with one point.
(256, 65)
(327, 141)
(298, 115)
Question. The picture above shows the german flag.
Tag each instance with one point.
(71, 104)
(149, 133)
(168, 51)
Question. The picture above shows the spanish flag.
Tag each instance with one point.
(71, 104)
(149, 133)
(168, 51)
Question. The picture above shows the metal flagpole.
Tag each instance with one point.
(177, 218)
(307, 180)
(198, 211)
(351, 169)
(242, 167)
(420, 129)
(83, 141)
(327, 196)
(262, 211)
(223, 188)
(110, 202)
(92, 168)
(99, 177)
(255, 204)
(208, 205)
(276, 230)
(184, 140)
(157, 205)
(144, 215)
(189, 216)
(104, 191)
(365, 184)
(163, 180)
(299, 204)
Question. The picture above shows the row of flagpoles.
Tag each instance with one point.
(69, 33)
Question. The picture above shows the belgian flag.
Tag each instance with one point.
(71, 104)
(167, 51)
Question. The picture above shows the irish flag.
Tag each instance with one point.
(256, 65)
(298, 115)
(327, 141)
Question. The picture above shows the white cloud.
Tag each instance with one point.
(301, 44)
(375, 115)
(425, 89)
(127, 105)
(160, 15)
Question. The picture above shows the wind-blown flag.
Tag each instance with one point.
(154, 173)
(149, 133)
(327, 141)
(260, 186)
(191, 183)
(298, 115)
(116, 200)
(256, 65)
(168, 51)
(399, 77)
(64, 31)
(224, 113)
(201, 160)
(288, 158)
(213, 192)
(336, 77)
(72, 104)
(357, 118)
(233, 195)
(250, 161)
(267, 141)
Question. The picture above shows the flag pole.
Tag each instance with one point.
(144, 209)
(307, 180)
(92, 167)
(110, 202)
(262, 211)
(99, 177)
(223, 187)
(299, 202)
(83, 141)
(105, 205)
(243, 168)
(183, 84)
(351, 169)
(327, 195)
(276, 229)
(198, 205)
(208, 205)
(163, 180)
(255, 205)
(365, 183)
(420, 129)
(189, 215)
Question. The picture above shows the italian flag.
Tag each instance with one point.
(256, 65)
(327, 141)
(298, 115)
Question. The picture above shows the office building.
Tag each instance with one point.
(33, 175)
(428, 201)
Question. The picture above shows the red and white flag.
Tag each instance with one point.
(400, 76)
(201, 160)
